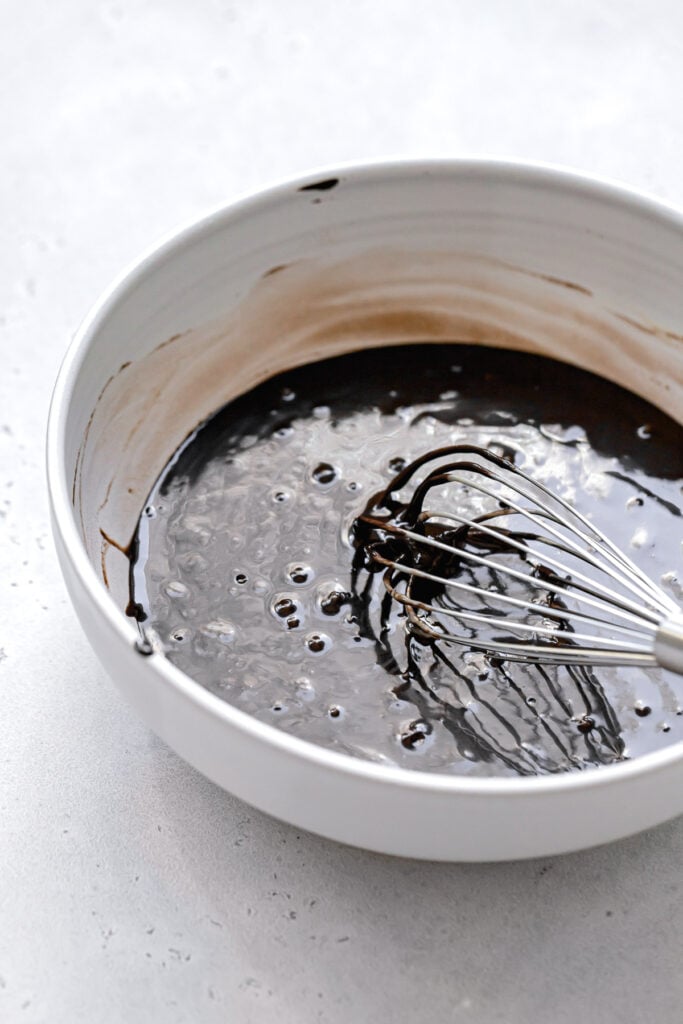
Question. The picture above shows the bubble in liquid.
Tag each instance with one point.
(639, 538)
(670, 579)
(317, 643)
(283, 606)
(634, 502)
(287, 395)
(332, 603)
(414, 735)
(644, 431)
(197, 529)
(180, 635)
(241, 577)
(299, 573)
(304, 688)
(397, 464)
(324, 474)
(219, 629)
(176, 590)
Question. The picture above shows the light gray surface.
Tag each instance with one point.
(130, 888)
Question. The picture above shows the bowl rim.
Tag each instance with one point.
(563, 179)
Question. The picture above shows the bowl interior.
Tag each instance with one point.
(526, 260)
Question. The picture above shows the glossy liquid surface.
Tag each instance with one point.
(242, 560)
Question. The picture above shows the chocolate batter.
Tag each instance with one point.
(242, 564)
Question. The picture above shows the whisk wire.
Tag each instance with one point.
(615, 608)
(545, 611)
(635, 580)
(547, 559)
(634, 621)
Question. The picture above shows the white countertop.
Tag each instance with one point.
(131, 889)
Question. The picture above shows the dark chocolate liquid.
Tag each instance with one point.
(242, 565)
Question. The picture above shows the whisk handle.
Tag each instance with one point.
(669, 644)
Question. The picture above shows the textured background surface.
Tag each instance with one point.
(130, 888)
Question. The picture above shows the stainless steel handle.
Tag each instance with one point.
(669, 644)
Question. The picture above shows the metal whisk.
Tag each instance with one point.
(482, 555)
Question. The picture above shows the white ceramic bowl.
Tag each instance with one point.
(524, 257)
